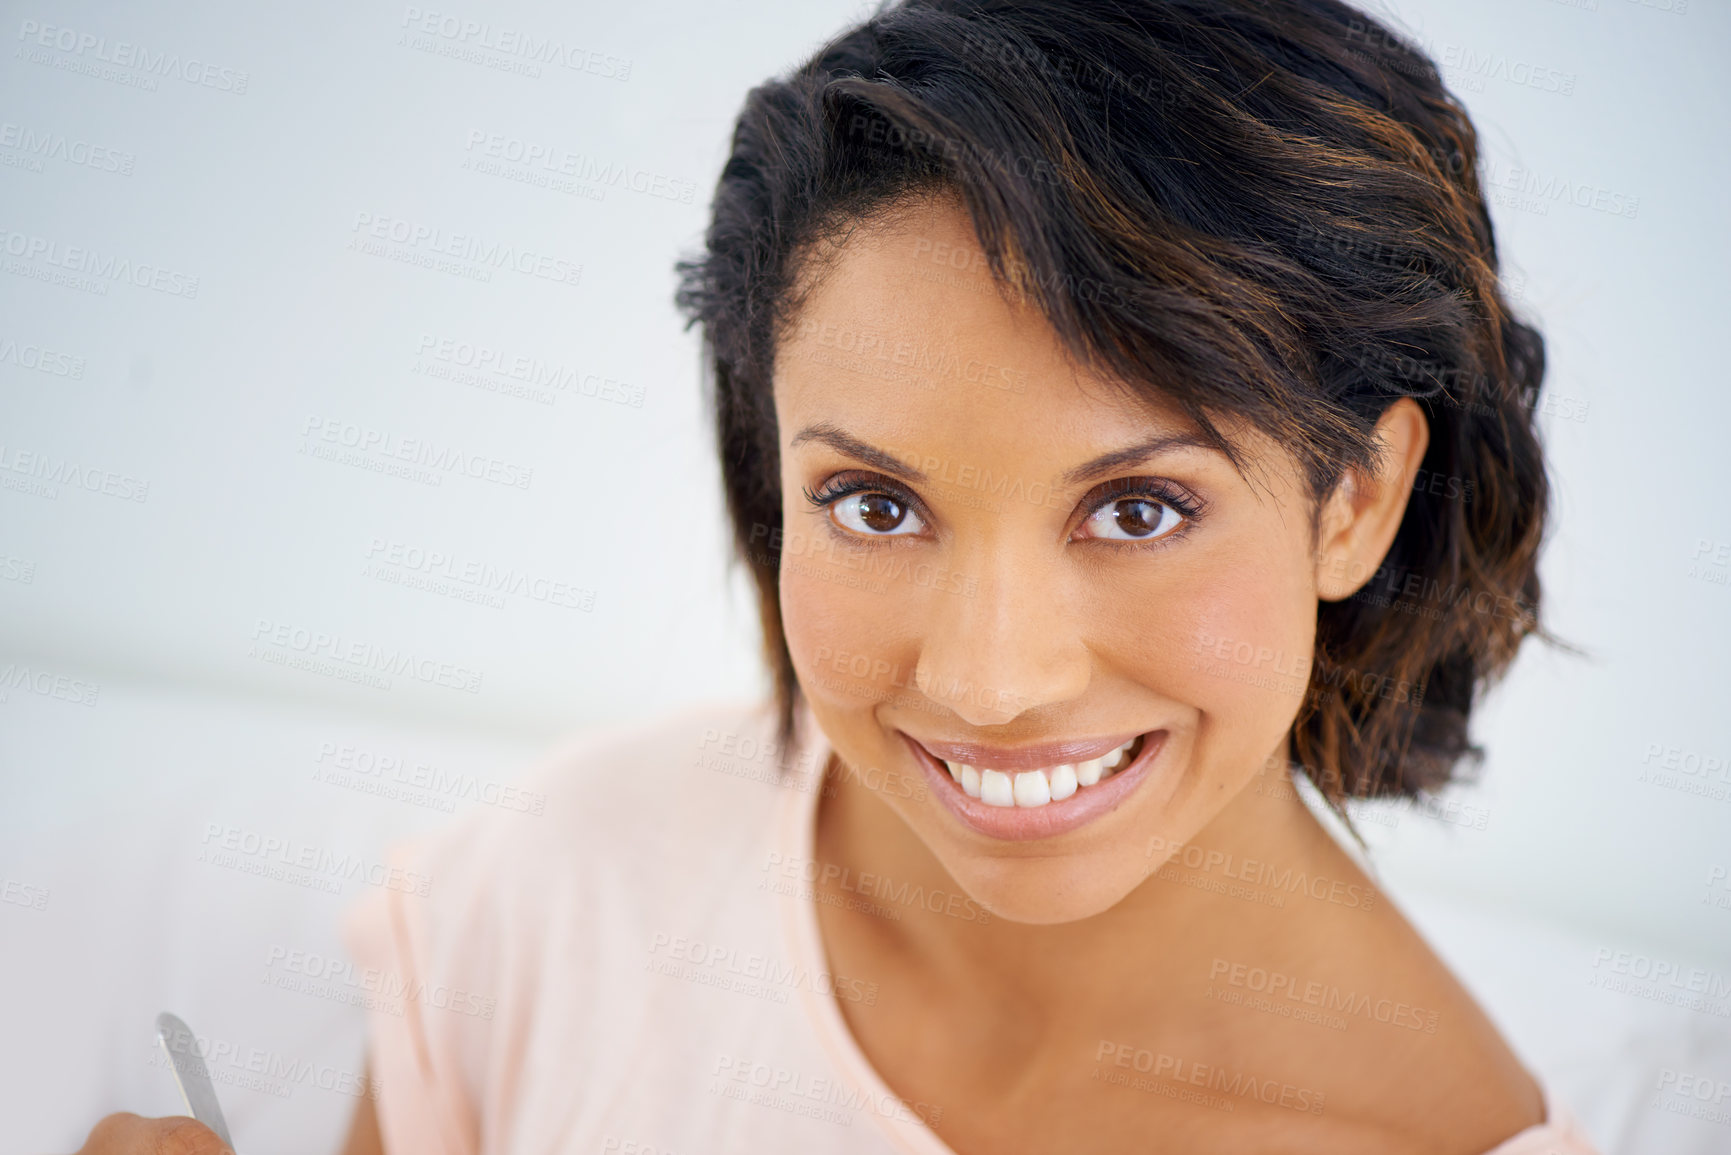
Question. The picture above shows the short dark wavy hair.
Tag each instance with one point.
(1277, 208)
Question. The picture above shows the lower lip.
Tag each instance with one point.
(1024, 823)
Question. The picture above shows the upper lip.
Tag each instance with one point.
(984, 757)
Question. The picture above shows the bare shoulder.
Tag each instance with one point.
(1420, 1067)
(1408, 1058)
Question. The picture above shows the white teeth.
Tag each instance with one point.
(1063, 782)
(1030, 788)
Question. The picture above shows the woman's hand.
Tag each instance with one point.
(126, 1134)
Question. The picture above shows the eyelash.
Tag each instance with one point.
(834, 490)
(1190, 507)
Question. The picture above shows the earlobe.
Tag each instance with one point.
(1363, 512)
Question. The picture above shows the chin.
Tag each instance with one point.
(1047, 891)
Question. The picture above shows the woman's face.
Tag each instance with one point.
(1011, 569)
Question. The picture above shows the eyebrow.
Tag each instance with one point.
(843, 442)
(846, 443)
(1135, 455)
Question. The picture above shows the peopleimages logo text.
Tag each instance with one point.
(514, 42)
(95, 263)
(416, 451)
(365, 656)
(124, 54)
(437, 242)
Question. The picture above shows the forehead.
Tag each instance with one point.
(903, 332)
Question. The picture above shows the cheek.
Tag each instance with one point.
(842, 632)
(1231, 641)
(1247, 654)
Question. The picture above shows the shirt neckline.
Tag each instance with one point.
(802, 789)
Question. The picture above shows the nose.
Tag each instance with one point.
(1008, 648)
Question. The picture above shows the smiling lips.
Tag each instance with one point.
(1041, 784)
(1028, 792)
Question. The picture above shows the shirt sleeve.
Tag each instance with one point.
(418, 946)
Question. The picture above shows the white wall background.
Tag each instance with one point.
(1604, 819)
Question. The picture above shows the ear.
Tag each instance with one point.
(1360, 517)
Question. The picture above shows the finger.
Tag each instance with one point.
(128, 1134)
(181, 1135)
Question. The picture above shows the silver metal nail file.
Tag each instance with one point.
(190, 1073)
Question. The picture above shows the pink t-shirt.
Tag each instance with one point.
(624, 957)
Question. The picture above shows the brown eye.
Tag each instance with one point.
(876, 515)
(880, 513)
(1134, 518)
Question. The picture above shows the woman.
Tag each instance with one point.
(1119, 416)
